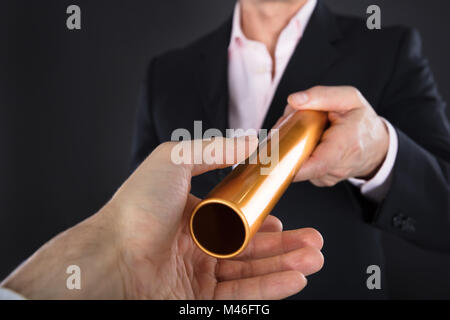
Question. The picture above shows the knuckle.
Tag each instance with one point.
(357, 149)
(347, 173)
(317, 183)
(356, 146)
(312, 238)
(330, 183)
(310, 261)
(322, 170)
(317, 90)
(341, 173)
(248, 270)
(165, 148)
(353, 90)
(235, 289)
(289, 109)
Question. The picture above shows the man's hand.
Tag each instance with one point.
(356, 143)
(139, 246)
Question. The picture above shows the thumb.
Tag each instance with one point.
(322, 98)
(210, 154)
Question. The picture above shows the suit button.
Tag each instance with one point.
(397, 221)
(404, 223)
(410, 225)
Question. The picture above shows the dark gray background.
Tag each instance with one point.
(67, 105)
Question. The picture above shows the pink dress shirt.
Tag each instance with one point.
(251, 87)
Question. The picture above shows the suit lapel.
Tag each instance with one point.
(213, 77)
(313, 56)
(213, 84)
(311, 59)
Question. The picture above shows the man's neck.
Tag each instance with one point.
(264, 20)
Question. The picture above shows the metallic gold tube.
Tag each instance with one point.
(225, 221)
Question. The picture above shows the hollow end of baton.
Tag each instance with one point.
(224, 222)
(219, 228)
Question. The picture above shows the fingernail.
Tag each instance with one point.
(299, 98)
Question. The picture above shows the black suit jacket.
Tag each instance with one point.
(388, 68)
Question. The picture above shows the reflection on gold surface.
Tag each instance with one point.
(225, 221)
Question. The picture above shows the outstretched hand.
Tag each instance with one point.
(139, 246)
(356, 143)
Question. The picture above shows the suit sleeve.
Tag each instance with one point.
(145, 138)
(416, 206)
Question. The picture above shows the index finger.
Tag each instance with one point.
(269, 244)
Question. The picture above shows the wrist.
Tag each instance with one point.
(88, 246)
(380, 154)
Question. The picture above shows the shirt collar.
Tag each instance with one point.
(294, 30)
